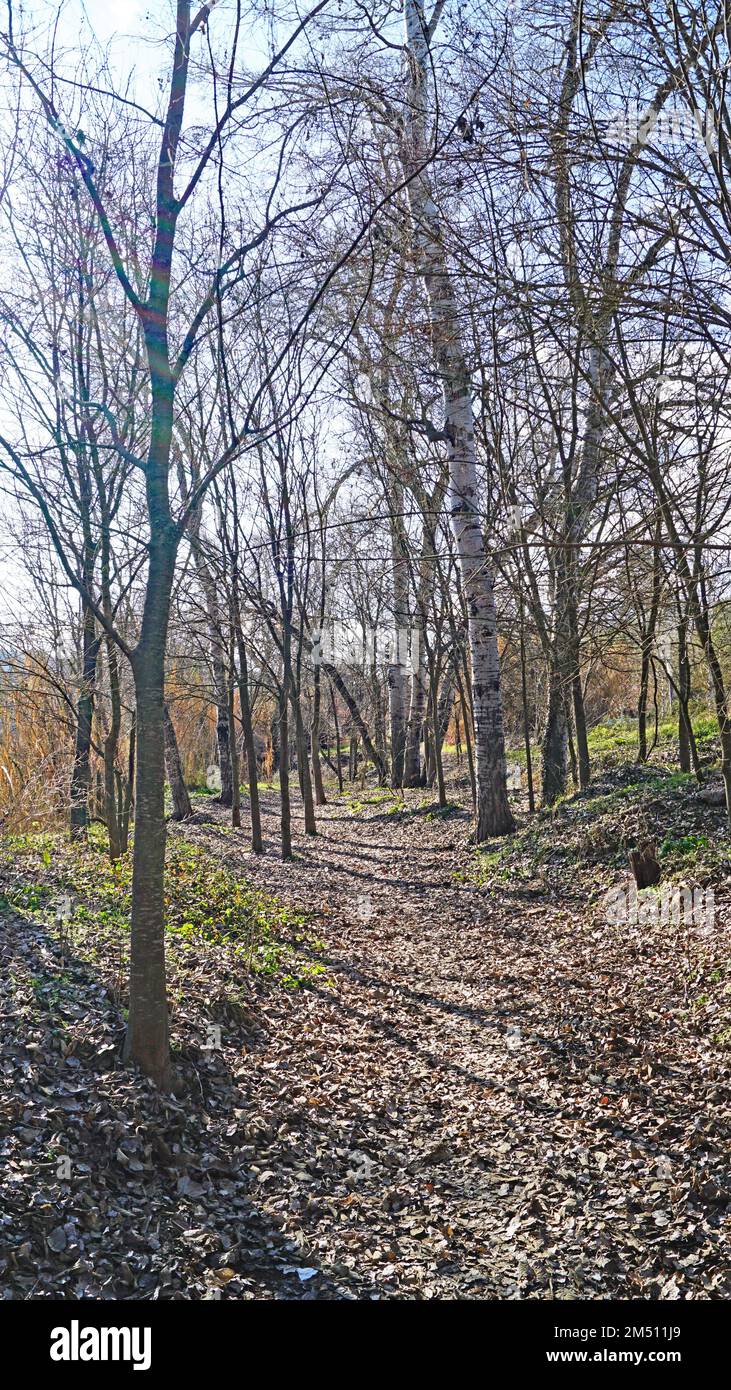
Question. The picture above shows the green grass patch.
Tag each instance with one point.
(206, 904)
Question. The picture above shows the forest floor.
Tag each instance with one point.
(473, 1087)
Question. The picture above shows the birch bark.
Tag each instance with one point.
(494, 816)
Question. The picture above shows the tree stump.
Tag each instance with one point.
(645, 866)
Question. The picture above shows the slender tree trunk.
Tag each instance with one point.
(320, 798)
(235, 777)
(81, 775)
(217, 649)
(648, 642)
(113, 810)
(526, 713)
(417, 709)
(437, 744)
(336, 679)
(284, 794)
(582, 738)
(446, 703)
(303, 767)
(338, 745)
(572, 751)
(147, 1039)
(248, 730)
(697, 600)
(685, 732)
(555, 738)
(396, 674)
(276, 742)
(467, 723)
(494, 816)
(129, 789)
(182, 807)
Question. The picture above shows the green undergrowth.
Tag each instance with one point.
(206, 904)
(596, 829)
(615, 741)
(375, 796)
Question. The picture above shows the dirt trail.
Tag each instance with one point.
(490, 1108)
(493, 1094)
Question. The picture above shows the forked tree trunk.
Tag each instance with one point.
(556, 736)
(494, 816)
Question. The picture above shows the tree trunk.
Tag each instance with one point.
(338, 745)
(396, 674)
(437, 743)
(147, 1040)
(248, 729)
(697, 600)
(303, 767)
(81, 775)
(417, 710)
(235, 778)
(526, 713)
(128, 801)
(217, 647)
(582, 738)
(685, 732)
(336, 679)
(467, 723)
(182, 807)
(320, 798)
(648, 642)
(113, 809)
(555, 738)
(494, 816)
(285, 805)
(276, 744)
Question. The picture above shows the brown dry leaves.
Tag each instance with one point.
(498, 1096)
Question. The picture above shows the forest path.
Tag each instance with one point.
(488, 1092)
(476, 1106)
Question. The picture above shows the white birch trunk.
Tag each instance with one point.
(397, 665)
(494, 816)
